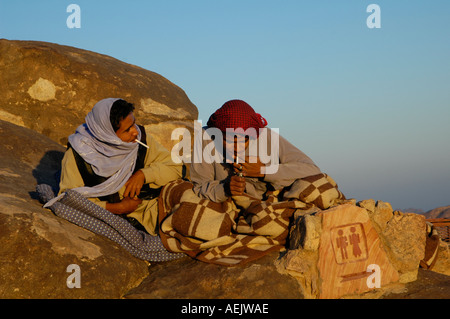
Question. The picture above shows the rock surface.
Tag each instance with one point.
(190, 279)
(429, 285)
(401, 236)
(50, 88)
(36, 246)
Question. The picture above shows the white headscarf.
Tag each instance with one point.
(110, 157)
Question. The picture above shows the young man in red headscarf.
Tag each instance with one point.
(236, 174)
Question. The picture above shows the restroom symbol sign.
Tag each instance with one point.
(349, 243)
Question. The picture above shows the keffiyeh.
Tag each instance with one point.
(237, 114)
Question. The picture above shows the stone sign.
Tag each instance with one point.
(352, 259)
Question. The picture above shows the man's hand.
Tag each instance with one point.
(236, 185)
(134, 184)
(249, 169)
(129, 204)
(126, 206)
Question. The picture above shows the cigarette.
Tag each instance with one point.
(240, 174)
(139, 142)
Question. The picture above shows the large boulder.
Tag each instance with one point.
(38, 247)
(50, 88)
(323, 259)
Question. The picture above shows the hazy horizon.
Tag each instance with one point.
(369, 105)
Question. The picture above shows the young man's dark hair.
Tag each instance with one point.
(119, 110)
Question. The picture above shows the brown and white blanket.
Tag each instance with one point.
(240, 229)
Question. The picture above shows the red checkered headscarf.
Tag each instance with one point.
(237, 114)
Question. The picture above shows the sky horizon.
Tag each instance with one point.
(370, 106)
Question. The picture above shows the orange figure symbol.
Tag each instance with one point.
(354, 241)
(341, 242)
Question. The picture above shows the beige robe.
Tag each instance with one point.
(159, 169)
(208, 179)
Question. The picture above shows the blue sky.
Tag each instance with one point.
(370, 106)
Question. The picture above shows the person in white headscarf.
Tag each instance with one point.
(105, 163)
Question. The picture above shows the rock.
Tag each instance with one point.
(37, 247)
(404, 237)
(50, 88)
(442, 265)
(367, 204)
(163, 132)
(190, 279)
(301, 264)
(391, 240)
(349, 247)
(382, 214)
(307, 236)
(429, 285)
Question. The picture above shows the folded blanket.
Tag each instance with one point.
(234, 232)
(320, 190)
(79, 210)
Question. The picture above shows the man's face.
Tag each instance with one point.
(236, 146)
(127, 131)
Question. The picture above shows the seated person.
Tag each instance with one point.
(217, 180)
(105, 163)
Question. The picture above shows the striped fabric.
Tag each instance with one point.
(320, 190)
(230, 233)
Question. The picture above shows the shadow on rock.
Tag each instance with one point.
(48, 171)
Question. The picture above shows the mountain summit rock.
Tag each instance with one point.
(50, 88)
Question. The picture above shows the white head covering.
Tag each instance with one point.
(110, 157)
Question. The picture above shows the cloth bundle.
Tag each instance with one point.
(81, 211)
(320, 190)
(239, 230)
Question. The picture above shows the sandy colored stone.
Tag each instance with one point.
(367, 204)
(50, 88)
(350, 250)
(382, 214)
(37, 246)
(301, 264)
(404, 236)
(443, 262)
(305, 232)
(191, 279)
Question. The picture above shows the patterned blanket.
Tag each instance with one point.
(240, 229)
(79, 210)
